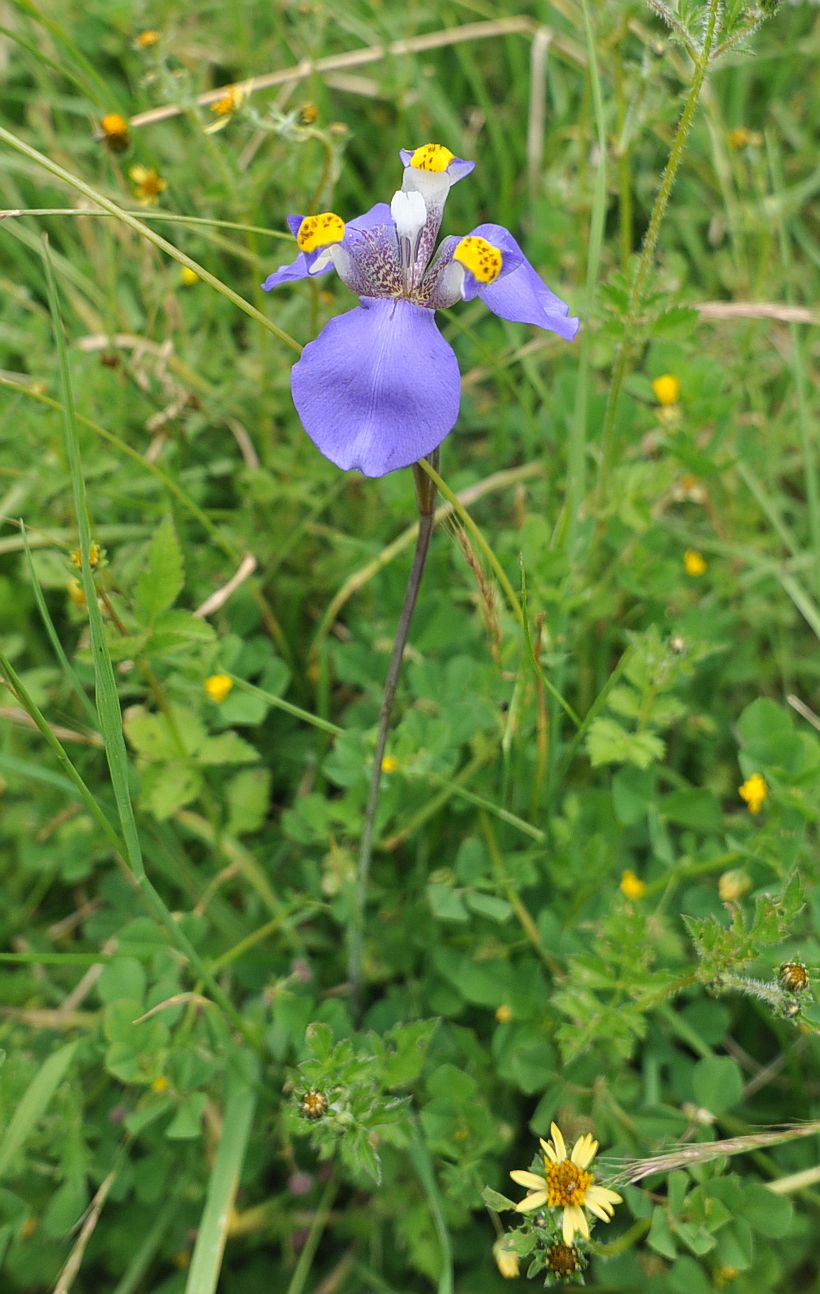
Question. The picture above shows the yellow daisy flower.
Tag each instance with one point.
(567, 1185)
(147, 185)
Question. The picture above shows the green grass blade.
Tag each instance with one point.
(203, 1274)
(35, 1101)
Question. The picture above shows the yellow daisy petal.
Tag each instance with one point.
(574, 1220)
(535, 1201)
(602, 1211)
(558, 1142)
(584, 1150)
(604, 1195)
(532, 1180)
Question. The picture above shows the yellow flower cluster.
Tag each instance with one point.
(218, 686)
(755, 792)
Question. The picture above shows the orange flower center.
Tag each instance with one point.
(566, 1184)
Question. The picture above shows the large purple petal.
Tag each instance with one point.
(521, 294)
(379, 388)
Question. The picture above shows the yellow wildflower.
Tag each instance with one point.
(389, 764)
(148, 185)
(506, 1259)
(75, 591)
(567, 1185)
(308, 114)
(188, 277)
(218, 686)
(94, 555)
(225, 106)
(694, 563)
(632, 886)
(666, 389)
(160, 1084)
(114, 132)
(742, 137)
(755, 792)
(503, 1013)
(147, 39)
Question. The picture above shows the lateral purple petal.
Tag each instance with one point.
(522, 295)
(379, 388)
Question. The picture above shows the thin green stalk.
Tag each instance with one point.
(648, 252)
(139, 227)
(320, 1217)
(426, 507)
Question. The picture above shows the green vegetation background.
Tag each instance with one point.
(510, 979)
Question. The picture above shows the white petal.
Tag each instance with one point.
(409, 212)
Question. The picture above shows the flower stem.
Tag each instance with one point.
(425, 495)
(648, 251)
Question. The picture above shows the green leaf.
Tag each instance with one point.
(660, 1237)
(498, 1203)
(767, 735)
(223, 1184)
(446, 904)
(767, 1213)
(489, 906)
(155, 740)
(608, 743)
(227, 748)
(160, 583)
(122, 977)
(717, 1083)
(187, 1122)
(167, 787)
(33, 1104)
(694, 808)
(248, 797)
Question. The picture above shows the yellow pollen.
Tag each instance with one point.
(479, 257)
(320, 231)
(567, 1184)
(431, 157)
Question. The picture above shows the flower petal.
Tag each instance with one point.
(521, 294)
(528, 1179)
(605, 1214)
(379, 388)
(603, 1195)
(574, 1220)
(584, 1150)
(536, 1201)
(558, 1142)
(305, 264)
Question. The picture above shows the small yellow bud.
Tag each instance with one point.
(218, 686)
(147, 39)
(694, 563)
(113, 132)
(308, 114)
(666, 389)
(733, 885)
(389, 764)
(506, 1259)
(160, 1084)
(755, 792)
(188, 277)
(503, 1013)
(632, 887)
(739, 137)
(94, 555)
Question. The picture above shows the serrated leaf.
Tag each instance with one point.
(168, 787)
(608, 743)
(156, 739)
(179, 628)
(160, 582)
(498, 1203)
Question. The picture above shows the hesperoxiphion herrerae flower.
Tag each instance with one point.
(379, 388)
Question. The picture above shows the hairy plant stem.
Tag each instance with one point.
(650, 242)
(425, 497)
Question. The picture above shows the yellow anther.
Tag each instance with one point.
(431, 157)
(320, 231)
(479, 257)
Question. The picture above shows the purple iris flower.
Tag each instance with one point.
(379, 388)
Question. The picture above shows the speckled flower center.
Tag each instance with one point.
(567, 1184)
(480, 257)
(562, 1260)
(320, 231)
(431, 157)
